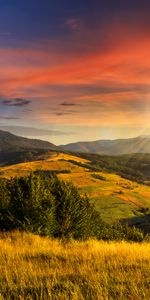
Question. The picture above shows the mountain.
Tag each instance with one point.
(11, 142)
(139, 144)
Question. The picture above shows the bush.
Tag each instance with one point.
(98, 176)
(121, 232)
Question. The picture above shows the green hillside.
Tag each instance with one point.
(113, 196)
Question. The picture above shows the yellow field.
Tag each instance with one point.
(32, 267)
(59, 156)
(114, 197)
(58, 161)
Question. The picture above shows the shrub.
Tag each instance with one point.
(98, 176)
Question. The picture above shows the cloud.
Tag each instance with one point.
(18, 102)
(72, 24)
(31, 131)
(9, 118)
(108, 65)
(6, 33)
(68, 104)
(64, 113)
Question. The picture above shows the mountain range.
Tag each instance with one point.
(10, 142)
(139, 144)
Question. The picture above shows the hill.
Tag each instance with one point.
(135, 167)
(139, 144)
(113, 196)
(15, 149)
(11, 142)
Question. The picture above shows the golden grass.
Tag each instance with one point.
(55, 162)
(114, 187)
(58, 156)
(33, 267)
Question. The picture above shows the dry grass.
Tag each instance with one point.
(120, 197)
(59, 156)
(40, 268)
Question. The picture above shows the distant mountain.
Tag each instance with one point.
(11, 142)
(139, 144)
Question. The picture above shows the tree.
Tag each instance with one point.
(74, 213)
(30, 205)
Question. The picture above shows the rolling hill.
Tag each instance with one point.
(118, 186)
(113, 196)
(139, 144)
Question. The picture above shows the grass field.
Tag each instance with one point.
(32, 267)
(113, 196)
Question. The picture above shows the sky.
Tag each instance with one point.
(75, 70)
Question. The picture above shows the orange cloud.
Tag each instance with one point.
(114, 75)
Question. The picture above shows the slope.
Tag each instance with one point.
(114, 197)
(11, 142)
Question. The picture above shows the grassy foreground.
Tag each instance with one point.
(32, 267)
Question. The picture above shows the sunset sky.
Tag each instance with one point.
(75, 70)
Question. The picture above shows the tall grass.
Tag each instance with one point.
(32, 267)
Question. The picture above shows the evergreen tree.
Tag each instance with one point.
(73, 212)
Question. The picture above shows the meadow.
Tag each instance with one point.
(34, 267)
(113, 196)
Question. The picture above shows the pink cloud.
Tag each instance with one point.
(123, 62)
